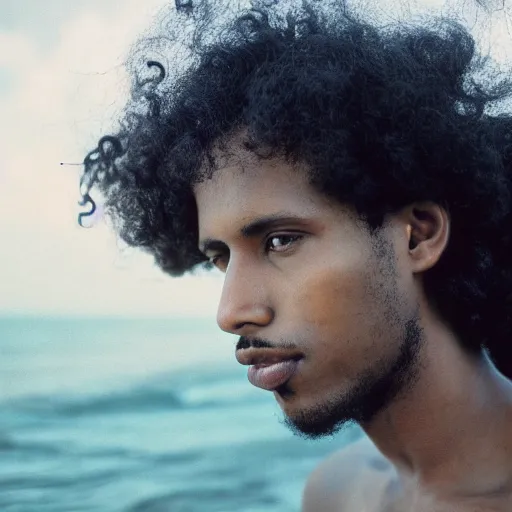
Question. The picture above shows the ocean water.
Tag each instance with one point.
(141, 416)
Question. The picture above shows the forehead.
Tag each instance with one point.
(245, 188)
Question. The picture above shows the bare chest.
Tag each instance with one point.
(384, 493)
(394, 498)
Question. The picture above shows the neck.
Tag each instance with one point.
(449, 435)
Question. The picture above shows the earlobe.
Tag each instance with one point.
(428, 231)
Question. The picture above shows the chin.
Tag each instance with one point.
(316, 422)
(313, 413)
(323, 414)
(309, 416)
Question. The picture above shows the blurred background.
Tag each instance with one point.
(118, 392)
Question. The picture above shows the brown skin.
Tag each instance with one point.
(344, 299)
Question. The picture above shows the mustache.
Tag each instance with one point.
(245, 342)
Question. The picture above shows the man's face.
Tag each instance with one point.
(313, 282)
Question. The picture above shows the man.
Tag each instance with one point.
(356, 193)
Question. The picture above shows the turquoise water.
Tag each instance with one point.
(141, 415)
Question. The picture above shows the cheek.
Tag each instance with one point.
(337, 315)
(330, 298)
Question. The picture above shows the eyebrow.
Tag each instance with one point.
(251, 230)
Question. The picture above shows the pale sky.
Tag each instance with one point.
(61, 83)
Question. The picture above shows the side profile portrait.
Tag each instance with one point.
(353, 182)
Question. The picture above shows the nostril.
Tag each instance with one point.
(242, 318)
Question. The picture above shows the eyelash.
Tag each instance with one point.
(292, 238)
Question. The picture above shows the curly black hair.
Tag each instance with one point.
(383, 116)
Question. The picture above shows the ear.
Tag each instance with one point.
(428, 231)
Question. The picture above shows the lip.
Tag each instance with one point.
(265, 356)
(272, 376)
(269, 368)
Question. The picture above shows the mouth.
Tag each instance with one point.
(269, 368)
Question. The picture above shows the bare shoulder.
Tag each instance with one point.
(341, 483)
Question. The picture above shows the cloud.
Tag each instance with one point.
(59, 103)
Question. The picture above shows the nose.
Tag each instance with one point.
(243, 307)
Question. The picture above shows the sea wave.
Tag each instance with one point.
(158, 394)
(87, 424)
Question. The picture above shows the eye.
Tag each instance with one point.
(281, 243)
(219, 260)
(214, 259)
